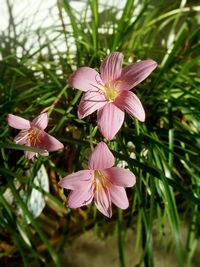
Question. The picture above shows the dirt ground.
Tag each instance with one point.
(88, 250)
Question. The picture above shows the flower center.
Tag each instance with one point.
(34, 136)
(100, 180)
(110, 90)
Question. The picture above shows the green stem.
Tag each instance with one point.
(146, 226)
(137, 127)
(50, 109)
(120, 239)
(192, 239)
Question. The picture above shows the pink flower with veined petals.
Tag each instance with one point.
(32, 134)
(101, 181)
(108, 92)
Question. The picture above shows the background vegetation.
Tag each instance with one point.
(163, 152)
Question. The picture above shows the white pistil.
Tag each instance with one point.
(18, 140)
(32, 135)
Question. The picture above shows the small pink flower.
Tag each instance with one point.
(101, 181)
(108, 92)
(32, 134)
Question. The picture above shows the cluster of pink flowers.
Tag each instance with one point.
(109, 94)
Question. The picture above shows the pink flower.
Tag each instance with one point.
(108, 92)
(32, 134)
(101, 181)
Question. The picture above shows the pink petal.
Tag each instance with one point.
(29, 154)
(111, 67)
(103, 201)
(79, 198)
(77, 181)
(130, 102)
(135, 73)
(101, 158)
(85, 79)
(41, 121)
(120, 176)
(18, 122)
(110, 119)
(49, 143)
(90, 102)
(119, 197)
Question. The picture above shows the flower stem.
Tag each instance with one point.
(120, 239)
(50, 109)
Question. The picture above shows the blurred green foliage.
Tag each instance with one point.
(163, 152)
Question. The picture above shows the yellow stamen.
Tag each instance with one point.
(110, 90)
(33, 136)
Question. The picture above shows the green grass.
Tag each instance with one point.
(163, 152)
